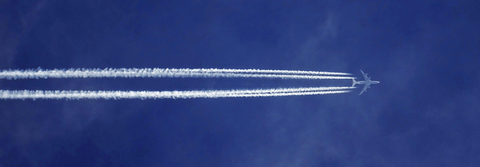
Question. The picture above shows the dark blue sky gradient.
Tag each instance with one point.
(424, 112)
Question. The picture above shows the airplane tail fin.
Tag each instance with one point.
(354, 82)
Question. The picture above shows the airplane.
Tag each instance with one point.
(367, 82)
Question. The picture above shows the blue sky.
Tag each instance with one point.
(424, 112)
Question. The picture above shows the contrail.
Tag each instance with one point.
(252, 71)
(171, 73)
(41, 94)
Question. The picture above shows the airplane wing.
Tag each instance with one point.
(364, 88)
(365, 75)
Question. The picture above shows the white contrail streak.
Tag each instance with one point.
(159, 73)
(252, 71)
(41, 94)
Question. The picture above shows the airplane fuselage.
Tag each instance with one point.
(364, 82)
